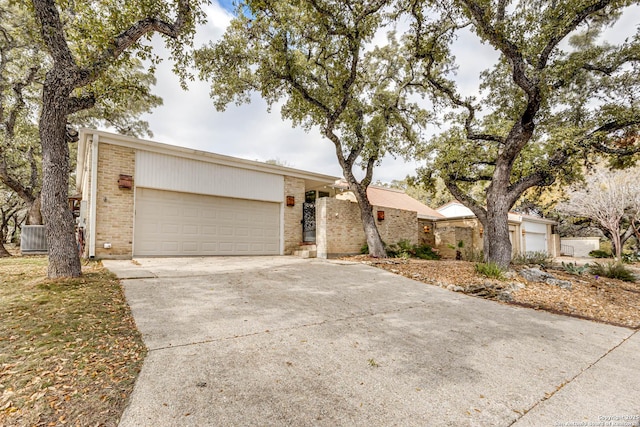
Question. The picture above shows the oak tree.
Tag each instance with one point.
(86, 40)
(556, 94)
(315, 58)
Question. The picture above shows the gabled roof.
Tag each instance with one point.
(398, 199)
(513, 216)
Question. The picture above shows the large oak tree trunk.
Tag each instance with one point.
(64, 260)
(374, 241)
(496, 242)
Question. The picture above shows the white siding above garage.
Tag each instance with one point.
(160, 171)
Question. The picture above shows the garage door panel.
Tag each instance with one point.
(172, 223)
(535, 242)
(209, 247)
(225, 231)
(209, 230)
(190, 229)
(190, 247)
(190, 213)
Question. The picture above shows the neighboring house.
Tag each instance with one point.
(527, 233)
(143, 198)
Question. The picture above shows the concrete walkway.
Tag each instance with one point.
(259, 341)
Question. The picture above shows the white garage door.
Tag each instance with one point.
(171, 223)
(535, 242)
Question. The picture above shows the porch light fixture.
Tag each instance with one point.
(481, 231)
(380, 215)
(426, 229)
(291, 201)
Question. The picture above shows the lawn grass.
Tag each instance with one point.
(69, 349)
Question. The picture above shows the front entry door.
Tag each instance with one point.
(308, 222)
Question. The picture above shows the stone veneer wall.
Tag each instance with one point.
(426, 237)
(293, 214)
(339, 227)
(451, 231)
(114, 208)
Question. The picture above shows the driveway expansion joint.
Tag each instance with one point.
(292, 328)
(548, 396)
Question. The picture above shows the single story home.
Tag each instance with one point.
(144, 198)
(527, 233)
(140, 198)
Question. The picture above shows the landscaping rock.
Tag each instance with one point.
(564, 284)
(535, 275)
(484, 290)
(505, 296)
(515, 286)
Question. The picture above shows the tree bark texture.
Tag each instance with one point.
(64, 259)
(34, 215)
(374, 241)
(496, 242)
(3, 237)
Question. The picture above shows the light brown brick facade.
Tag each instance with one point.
(114, 207)
(293, 214)
(339, 227)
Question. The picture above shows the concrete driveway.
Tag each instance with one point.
(257, 341)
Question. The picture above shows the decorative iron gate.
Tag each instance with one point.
(308, 222)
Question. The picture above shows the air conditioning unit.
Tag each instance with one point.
(33, 239)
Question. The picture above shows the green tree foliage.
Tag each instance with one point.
(315, 58)
(21, 69)
(556, 94)
(86, 42)
(121, 97)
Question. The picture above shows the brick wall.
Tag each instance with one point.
(339, 227)
(114, 208)
(397, 225)
(293, 214)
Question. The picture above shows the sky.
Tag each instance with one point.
(189, 119)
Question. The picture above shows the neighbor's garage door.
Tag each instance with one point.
(172, 223)
(535, 242)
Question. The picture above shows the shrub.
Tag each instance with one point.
(613, 270)
(575, 269)
(425, 252)
(599, 253)
(631, 257)
(528, 258)
(490, 270)
(404, 249)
